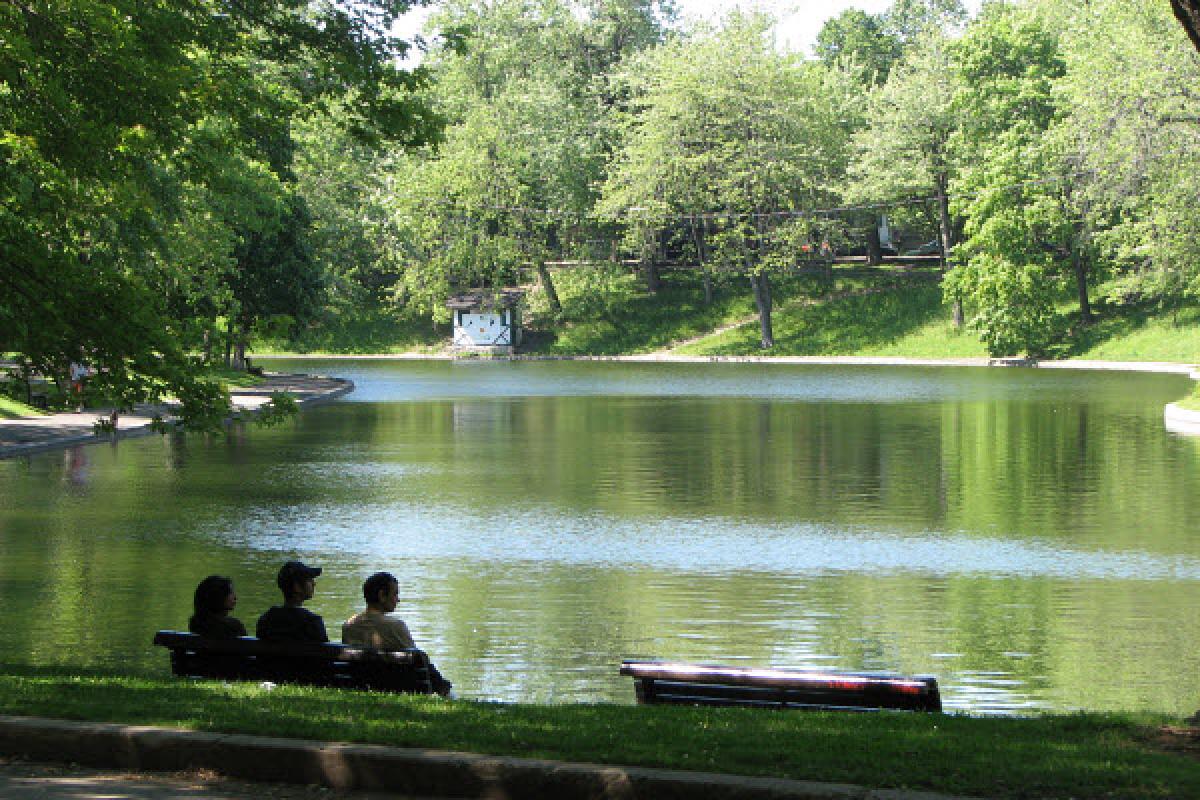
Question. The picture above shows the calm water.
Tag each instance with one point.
(1030, 537)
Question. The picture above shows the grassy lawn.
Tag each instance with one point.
(1139, 335)
(909, 320)
(615, 315)
(1192, 401)
(13, 409)
(1079, 756)
(608, 312)
(234, 377)
(367, 330)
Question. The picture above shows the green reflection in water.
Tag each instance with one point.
(1029, 538)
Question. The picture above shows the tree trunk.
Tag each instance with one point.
(762, 299)
(699, 236)
(239, 348)
(649, 267)
(548, 287)
(874, 246)
(946, 236)
(650, 273)
(1188, 14)
(1080, 266)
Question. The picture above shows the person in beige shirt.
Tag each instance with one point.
(374, 627)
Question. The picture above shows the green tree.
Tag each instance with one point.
(106, 163)
(861, 39)
(1016, 190)
(905, 150)
(1132, 124)
(529, 130)
(722, 127)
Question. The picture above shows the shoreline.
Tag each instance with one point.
(29, 435)
(1171, 367)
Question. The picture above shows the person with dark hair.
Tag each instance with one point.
(213, 601)
(376, 629)
(291, 622)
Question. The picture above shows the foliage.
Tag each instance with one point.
(528, 109)
(862, 40)
(279, 409)
(141, 146)
(719, 122)
(1134, 112)
(1015, 190)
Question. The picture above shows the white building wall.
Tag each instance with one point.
(481, 330)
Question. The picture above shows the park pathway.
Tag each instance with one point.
(23, 780)
(33, 434)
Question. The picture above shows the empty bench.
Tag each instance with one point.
(328, 664)
(692, 684)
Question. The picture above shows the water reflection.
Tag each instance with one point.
(1027, 537)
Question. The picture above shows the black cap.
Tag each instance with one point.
(294, 571)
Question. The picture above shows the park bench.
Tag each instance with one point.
(693, 684)
(328, 664)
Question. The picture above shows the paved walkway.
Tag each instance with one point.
(33, 434)
(23, 780)
(418, 772)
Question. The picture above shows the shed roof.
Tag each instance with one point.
(484, 299)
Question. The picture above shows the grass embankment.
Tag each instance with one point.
(606, 311)
(233, 378)
(14, 409)
(365, 331)
(1192, 401)
(1079, 756)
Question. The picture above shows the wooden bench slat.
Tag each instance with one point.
(310, 663)
(697, 684)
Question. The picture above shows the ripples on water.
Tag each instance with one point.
(1026, 536)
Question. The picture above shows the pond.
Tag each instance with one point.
(1030, 537)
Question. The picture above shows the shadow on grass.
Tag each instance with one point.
(1112, 322)
(843, 325)
(366, 330)
(631, 320)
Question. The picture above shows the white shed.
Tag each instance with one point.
(487, 321)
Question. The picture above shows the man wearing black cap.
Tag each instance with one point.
(291, 622)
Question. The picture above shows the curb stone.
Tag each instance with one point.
(430, 773)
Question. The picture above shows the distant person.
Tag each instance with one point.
(376, 629)
(291, 622)
(213, 602)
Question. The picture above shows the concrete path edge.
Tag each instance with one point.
(427, 773)
(1181, 420)
(246, 402)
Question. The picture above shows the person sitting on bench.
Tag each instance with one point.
(374, 628)
(291, 622)
(213, 601)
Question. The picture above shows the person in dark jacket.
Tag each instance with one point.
(291, 622)
(213, 602)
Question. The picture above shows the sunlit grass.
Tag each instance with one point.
(905, 320)
(13, 409)
(1192, 401)
(1081, 756)
(1139, 335)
